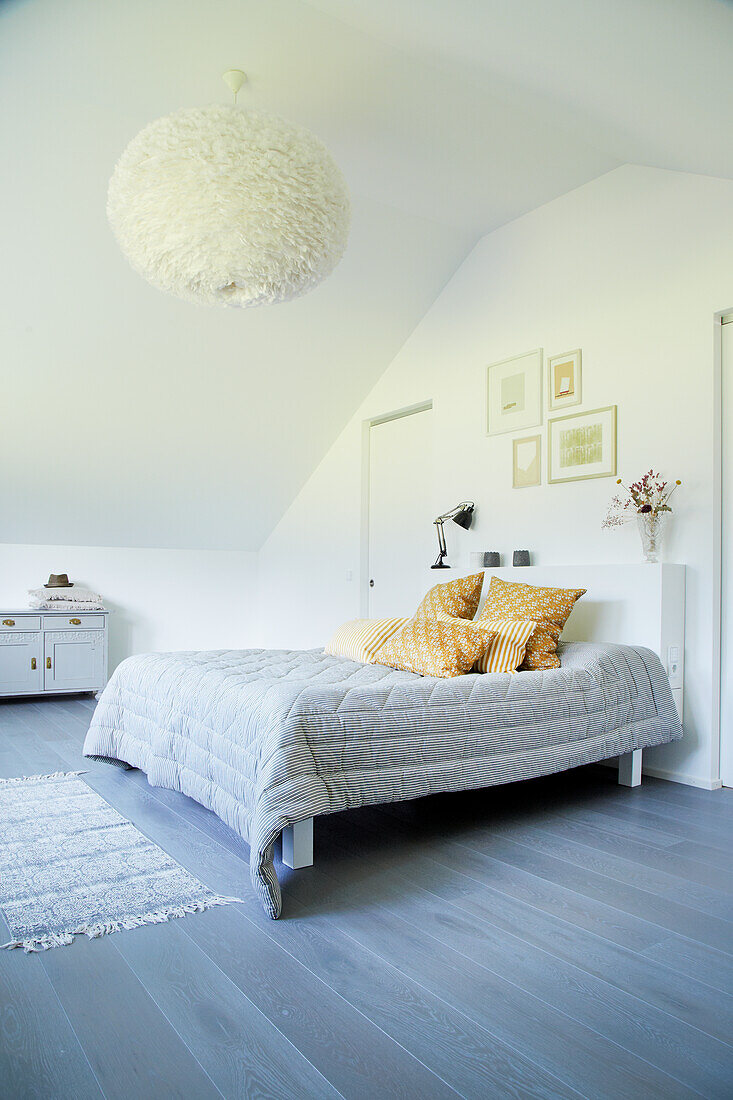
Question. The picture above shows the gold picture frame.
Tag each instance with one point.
(582, 446)
(526, 462)
(564, 380)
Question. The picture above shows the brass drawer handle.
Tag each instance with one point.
(33, 663)
(75, 622)
(8, 622)
(48, 662)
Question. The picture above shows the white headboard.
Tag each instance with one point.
(632, 604)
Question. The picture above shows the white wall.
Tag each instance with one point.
(630, 268)
(159, 599)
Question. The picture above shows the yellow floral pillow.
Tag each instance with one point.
(436, 647)
(457, 599)
(507, 649)
(548, 607)
(361, 639)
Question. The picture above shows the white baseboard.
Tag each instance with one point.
(671, 777)
(680, 777)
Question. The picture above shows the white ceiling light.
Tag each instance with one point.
(229, 207)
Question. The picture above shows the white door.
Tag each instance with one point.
(20, 664)
(402, 539)
(726, 662)
(74, 660)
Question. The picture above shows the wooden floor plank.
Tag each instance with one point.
(685, 998)
(228, 874)
(558, 939)
(699, 964)
(591, 901)
(243, 1054)
(668, 813)
(643, 814)
(626, 1018)
(441, 1042)
(549, 1023)
(572, 847)
(12, 764)
(356, 1018)
(719, 801)
(662, 912)
(129, 1043)
(643, 854)
(40, 1054)
(620, 826)
(653, 985)
(703, 853)
(599, 1066)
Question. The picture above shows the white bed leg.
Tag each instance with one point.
(629, 768)
(298, 844)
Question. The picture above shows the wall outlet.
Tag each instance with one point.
(674, 666)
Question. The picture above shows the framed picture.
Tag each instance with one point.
(514, 393)
(581, 446)
(526, 462)
(564, 380)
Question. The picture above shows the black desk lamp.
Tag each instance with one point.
(462, 514)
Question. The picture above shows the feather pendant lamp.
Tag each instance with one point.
(229, 207)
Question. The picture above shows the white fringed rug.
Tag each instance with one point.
(70, 864)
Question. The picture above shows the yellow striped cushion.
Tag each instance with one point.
(436, 647)
(360, 639)
(458, 599)
(507, 649)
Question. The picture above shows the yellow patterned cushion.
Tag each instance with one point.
(506, 652)
(360, 639)
(457, 599)
(436, 647)
(548, 607)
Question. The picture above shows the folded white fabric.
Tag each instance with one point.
(65, 599)
(64, 605)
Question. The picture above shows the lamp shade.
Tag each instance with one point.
(464, 518)
(229, 207)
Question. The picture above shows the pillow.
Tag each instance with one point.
(457, 599)
(548, 607)
(436, 647)
(360, 639)
(507, 648)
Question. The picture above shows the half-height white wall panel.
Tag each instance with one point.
(159, 599)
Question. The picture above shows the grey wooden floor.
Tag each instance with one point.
(564, 937)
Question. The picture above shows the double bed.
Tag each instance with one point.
(270, 739)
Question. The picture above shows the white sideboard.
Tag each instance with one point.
(52, 652)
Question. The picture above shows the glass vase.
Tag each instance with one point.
(652, 528)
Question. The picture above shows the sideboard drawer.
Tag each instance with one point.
(20, 622)
(71, 621)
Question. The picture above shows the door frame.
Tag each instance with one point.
(718, 540)
(366, 427)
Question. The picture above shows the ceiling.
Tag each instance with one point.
(640, 81)
(133, 419)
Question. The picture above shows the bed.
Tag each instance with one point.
(270, 739)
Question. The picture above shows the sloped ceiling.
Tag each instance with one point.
(132, 419)
(643, 81)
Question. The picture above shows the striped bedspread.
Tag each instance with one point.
(265, 738)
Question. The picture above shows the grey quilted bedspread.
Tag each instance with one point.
(265, 738)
